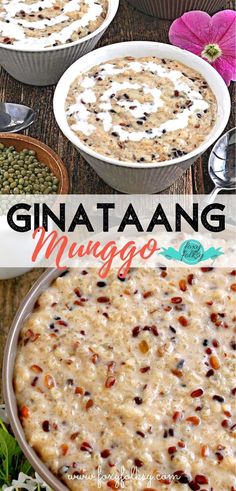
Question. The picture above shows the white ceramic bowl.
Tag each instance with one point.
(37, 66)
(137, 178)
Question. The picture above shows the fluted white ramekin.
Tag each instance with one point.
(37, 66)
(134, 177)
(171, 9)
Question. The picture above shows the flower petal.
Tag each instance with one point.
(226, 70)
(3, 414)
(223, 30)
(41, 482)
(196, 29)
(191, 31)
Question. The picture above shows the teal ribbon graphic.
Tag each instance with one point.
(191, 252)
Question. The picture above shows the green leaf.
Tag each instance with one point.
(12, 459)
(3, 426)
(26, 467)
(9, 450)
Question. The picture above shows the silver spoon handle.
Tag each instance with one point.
(212, 196)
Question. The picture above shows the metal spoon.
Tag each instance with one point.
(15, 117)
(222, 164)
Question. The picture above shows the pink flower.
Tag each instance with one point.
(212, 38)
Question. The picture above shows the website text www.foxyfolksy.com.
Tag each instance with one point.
(122, 479)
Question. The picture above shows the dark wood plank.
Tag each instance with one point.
(12, 293)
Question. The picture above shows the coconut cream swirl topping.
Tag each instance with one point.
(141, 109)
(138, 110)
(49, 22)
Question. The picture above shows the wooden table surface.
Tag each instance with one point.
(128, 25)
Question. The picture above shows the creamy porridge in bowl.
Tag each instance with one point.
(40, 39)
(141, 112)
(48, 23)
(132, 374)
(141, 109)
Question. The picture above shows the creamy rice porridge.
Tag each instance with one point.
(134, 373)
(45, 23)
(141, 110)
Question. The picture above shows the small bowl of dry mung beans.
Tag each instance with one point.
(28, 166)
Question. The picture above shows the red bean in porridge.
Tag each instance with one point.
(136, 373)
(47, 23)
(141, 109)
